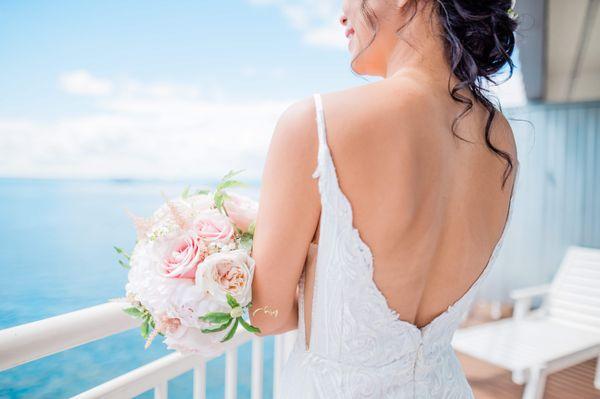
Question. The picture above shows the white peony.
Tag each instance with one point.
(227, 272)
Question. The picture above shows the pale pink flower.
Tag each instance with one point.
(242, 210)
(200, 202)
(191, 340)
(214, 227)
(168, 325)
(227, 272)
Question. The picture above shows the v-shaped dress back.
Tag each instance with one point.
(359, 346)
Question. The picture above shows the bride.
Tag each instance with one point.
(406, 185)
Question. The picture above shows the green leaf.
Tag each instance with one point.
(125, 265)
(218, 328)
(145, 329)
(186, 192)
(231, 300)
(133, 312)
(202, 192)
(215, 317)
(248, 236)
(251, 228)
(219, 199)
(121, 251)
(246, 241)
(218, 202)
(229, 184)
(231, 332)
(232, 173)
(248, 326)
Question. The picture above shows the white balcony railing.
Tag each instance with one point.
(31, 341)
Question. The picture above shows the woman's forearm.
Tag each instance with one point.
(292, 321)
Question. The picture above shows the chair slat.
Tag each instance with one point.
(575, 293)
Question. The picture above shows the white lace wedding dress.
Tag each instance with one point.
(359, 347)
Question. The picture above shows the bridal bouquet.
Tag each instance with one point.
(190, 273)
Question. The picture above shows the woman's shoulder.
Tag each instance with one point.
(402, 97)
(365, 101)
(373, 118)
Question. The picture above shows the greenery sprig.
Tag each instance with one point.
(224, 319)
(148, 323)
(124, 263)
(226, 182)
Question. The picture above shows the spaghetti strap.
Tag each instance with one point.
(322, 135)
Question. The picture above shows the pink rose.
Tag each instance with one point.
(182, 256)
(214, 226)
(242, 210)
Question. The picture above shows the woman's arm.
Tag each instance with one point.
(309, 266)
(288, 215)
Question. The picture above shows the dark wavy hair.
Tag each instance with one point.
(479, 41)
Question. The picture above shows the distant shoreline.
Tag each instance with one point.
(127, 180)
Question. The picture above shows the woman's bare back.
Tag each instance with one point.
(430, 206)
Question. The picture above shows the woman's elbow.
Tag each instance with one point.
(272, 321)
(266, 325)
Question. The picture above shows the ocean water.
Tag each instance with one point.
(56, 256)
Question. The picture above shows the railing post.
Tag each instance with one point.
(597, 376)
(162, 390)
(277, 363)
(257, 367)
(200, 381)
(231, 373)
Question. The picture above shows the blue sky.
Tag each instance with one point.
(238, 49)
(106, 88)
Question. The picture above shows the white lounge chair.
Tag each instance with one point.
(563, 332)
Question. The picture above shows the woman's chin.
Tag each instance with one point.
(352, 50)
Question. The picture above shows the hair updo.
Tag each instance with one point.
(479, 41)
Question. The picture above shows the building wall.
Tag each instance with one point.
(557, 200)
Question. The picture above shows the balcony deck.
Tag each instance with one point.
(491, 382)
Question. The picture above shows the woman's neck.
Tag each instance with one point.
(418, 48)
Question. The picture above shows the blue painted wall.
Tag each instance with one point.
(557, 201)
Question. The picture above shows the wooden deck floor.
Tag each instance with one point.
(490, 382)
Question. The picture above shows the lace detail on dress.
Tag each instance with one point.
(359, 346)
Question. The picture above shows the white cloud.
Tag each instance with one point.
(317, 20)
(155, 130)
(83, 83)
